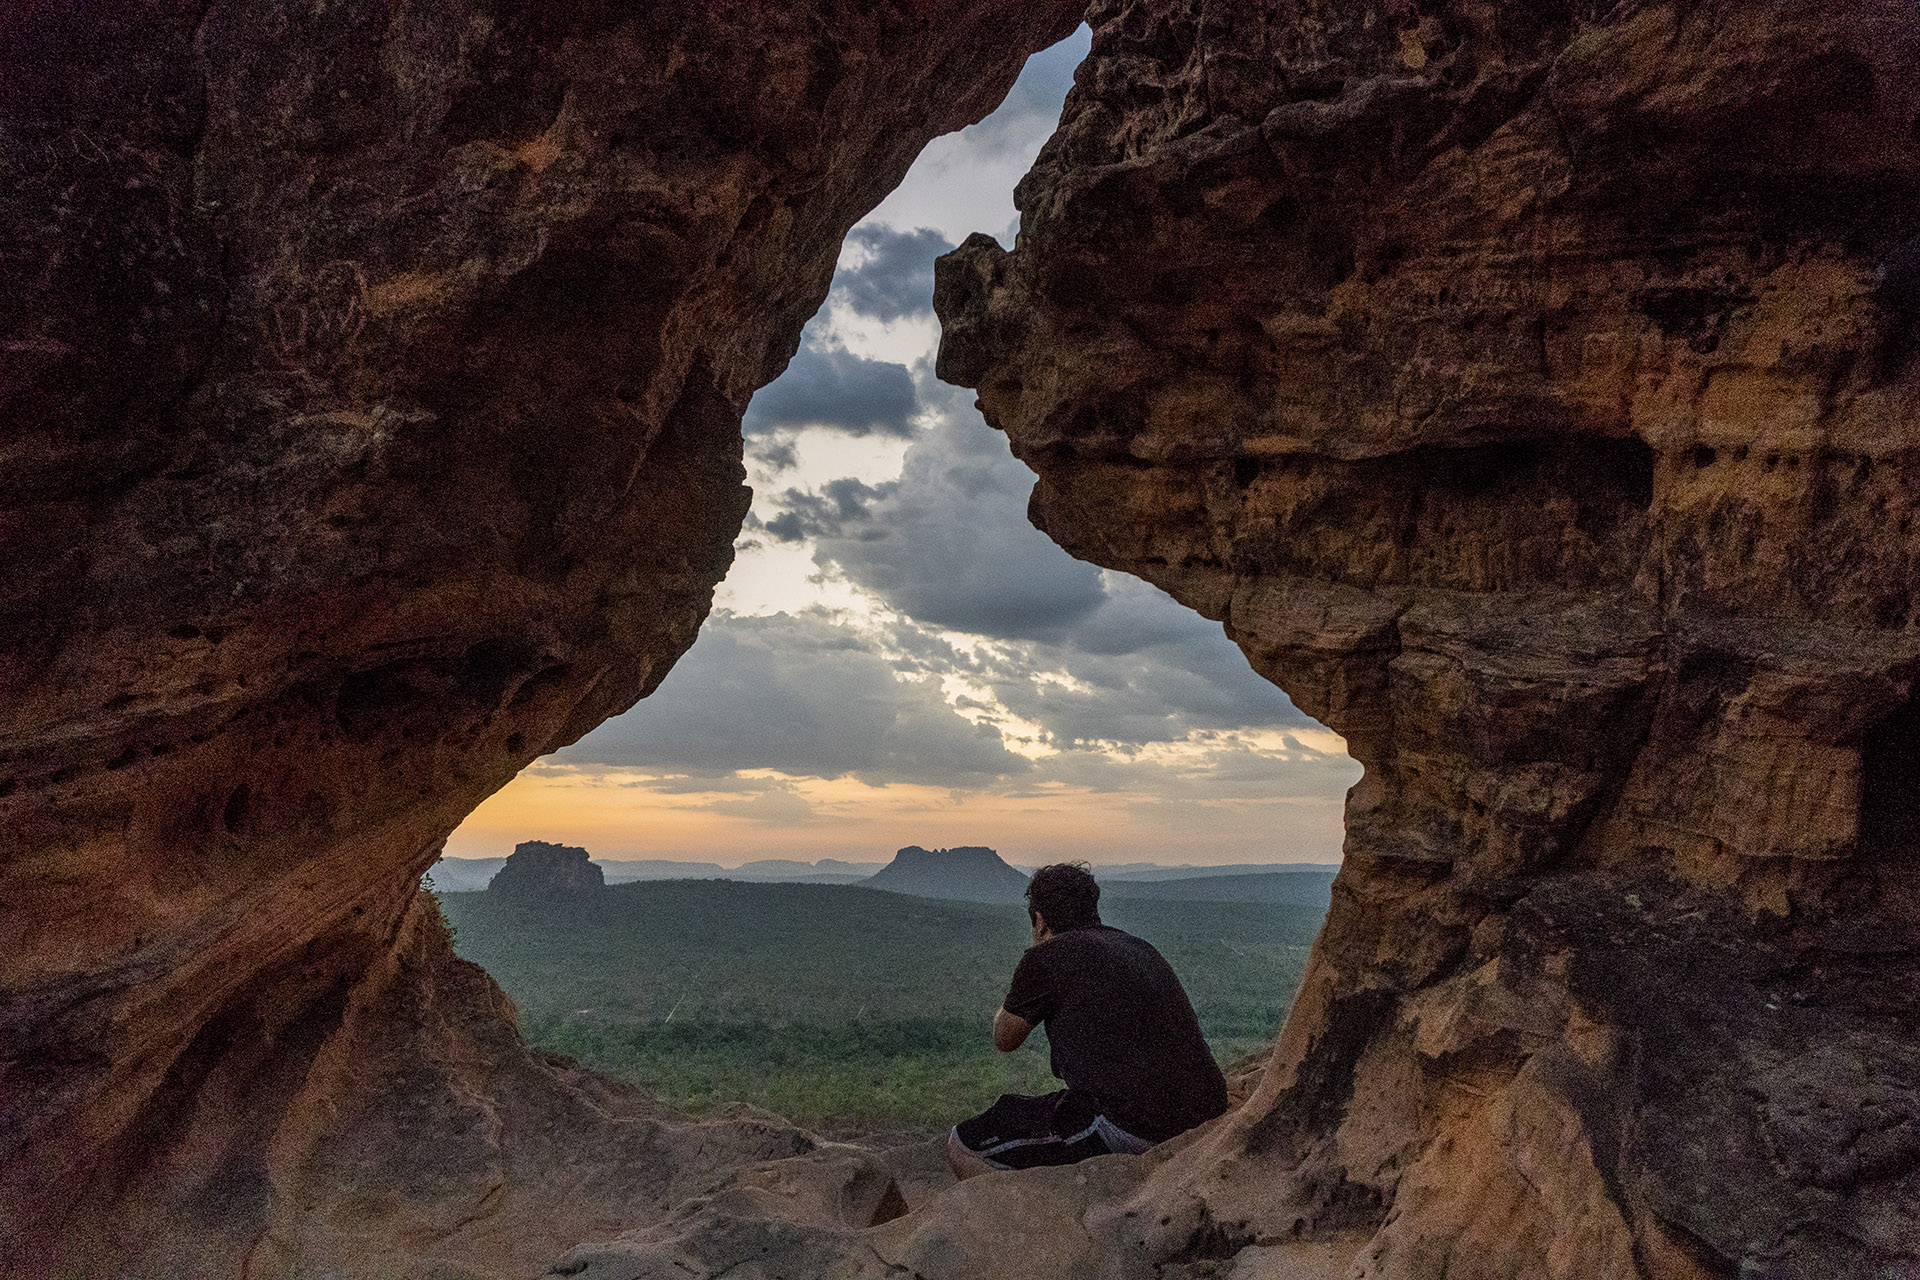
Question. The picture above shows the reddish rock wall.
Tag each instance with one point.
(1531, 390)
(371, 377)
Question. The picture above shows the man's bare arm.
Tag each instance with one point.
(1009, 1032)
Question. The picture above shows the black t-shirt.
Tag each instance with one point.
(1124, 1035)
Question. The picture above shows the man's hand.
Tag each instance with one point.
(1009, 1032)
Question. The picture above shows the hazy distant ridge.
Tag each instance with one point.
(1299, 888)
(467, 875)
(1160, 871)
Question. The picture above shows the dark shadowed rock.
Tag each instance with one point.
(970, 873)
(538, 870)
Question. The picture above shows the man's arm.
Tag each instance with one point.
(1009, 1031)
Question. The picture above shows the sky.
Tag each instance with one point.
(897, 657)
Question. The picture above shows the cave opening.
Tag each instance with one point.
(899, 659)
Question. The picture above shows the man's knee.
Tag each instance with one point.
(962, 1160)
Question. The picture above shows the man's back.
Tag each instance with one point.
(1123, 1033)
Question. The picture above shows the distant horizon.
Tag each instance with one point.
(723, 861)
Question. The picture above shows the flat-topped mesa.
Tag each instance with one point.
(371, 379)
(1532, 391)
(537, 870)
(968, 873)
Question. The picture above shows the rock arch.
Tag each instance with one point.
(1518, 383)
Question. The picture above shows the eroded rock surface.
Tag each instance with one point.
(371, 378)
(1531, 391)
(1529, 388)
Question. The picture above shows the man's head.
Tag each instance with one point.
(1064, 896)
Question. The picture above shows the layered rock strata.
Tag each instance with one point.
(371, 382)
(1531, 390)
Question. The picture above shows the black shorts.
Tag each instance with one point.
(1019, 1132)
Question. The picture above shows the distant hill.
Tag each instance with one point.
(1305, 888)
(459, 875)
(539, 870)
(825, 871)
(626, 870)
(463, 875)
(1160, 871)
(970, 873)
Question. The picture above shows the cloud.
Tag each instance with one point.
(827, 385)
(1181, 677)
(803, 695)
(949, 544)
(839, 503)
(887, 274)
(774, 455)
(1068, 656)
(778, 806)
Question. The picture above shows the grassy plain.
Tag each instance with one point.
(841, 1007)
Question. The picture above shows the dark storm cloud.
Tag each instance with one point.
(839, 503)
(1088, 657)
(894, 275)
(829, 386)
(774, 455)
(802, 695)
(950, 545)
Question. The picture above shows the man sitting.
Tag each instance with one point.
(1124, 1037)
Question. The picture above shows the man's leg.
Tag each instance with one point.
(964, 1163)
(974, 1144)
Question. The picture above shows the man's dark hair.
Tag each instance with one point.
(1065, 893)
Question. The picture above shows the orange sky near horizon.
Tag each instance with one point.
(617, 816)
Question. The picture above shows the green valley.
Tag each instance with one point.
(845, 1008)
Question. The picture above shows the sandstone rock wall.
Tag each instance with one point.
(1531, 391)
(370, 379)
(1529, 388)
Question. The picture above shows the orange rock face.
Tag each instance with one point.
(1531, 390)
(370, 380)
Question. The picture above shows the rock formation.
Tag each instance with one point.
(371, 379)
(967, 873)
(538, 870)
(1531, 390)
